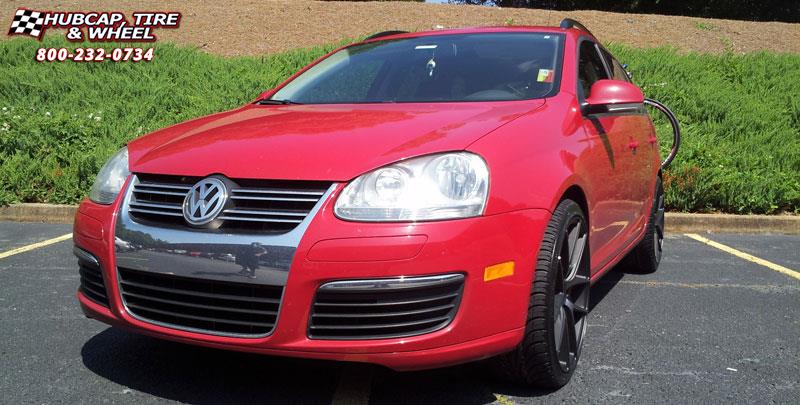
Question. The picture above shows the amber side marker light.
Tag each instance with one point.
(498, 271)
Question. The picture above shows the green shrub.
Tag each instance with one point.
(60, 121)
(740, 118)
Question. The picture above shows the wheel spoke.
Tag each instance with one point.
(564, 345)
(571, 338)
(572, 238)
(576, 281)
(660, 214)
(571, 295)
(558, 318)
(568, 305)
(576, 244)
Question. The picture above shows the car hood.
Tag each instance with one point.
(316, 142)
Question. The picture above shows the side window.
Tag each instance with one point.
(617, 71)
(590, 66)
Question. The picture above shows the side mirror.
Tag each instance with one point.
(613, 96)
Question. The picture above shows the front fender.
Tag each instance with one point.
(533, 159)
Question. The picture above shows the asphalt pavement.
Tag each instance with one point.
(708, 327)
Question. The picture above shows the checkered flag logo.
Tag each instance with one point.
(27, 22)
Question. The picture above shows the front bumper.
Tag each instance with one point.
(491, 314)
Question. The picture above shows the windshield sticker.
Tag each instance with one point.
(426, 46)
(545, 76)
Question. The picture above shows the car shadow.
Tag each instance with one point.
(199, 375)
(599, 291)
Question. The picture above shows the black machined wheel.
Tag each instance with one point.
(559, 305)
(658, 224)
(571, 300)
(646, 256)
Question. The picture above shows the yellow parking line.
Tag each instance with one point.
(777, 267)
(36, 245)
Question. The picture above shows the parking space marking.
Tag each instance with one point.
(36, 245)
(738, 253)
(355, 384)
(755, 287)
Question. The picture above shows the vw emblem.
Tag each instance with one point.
(205, 201)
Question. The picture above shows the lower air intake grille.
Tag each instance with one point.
(214, 307)
(92, 284)
(385, 308)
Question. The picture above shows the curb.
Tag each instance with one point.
(676, 222)
(30, 212)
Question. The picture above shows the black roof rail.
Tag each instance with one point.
(570, 23)
(384, 34)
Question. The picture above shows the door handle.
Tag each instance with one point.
(633, 145)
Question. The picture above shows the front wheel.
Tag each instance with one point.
(559, 305)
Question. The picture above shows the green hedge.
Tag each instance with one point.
(60, 121)
(740, 116)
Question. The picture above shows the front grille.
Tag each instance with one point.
(255, 205)
(92, 285)
(385, 308)
(215, 307)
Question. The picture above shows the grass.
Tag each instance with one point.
(60, 121)
(740, 118)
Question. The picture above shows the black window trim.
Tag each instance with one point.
(579, 88)
(624, 109)
(610, 64)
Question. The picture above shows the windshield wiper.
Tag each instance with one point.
(269, 101)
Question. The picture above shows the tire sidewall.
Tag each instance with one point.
(571, 209)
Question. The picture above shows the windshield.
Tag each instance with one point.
(464, 67)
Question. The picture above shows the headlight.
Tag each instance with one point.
(111, 178)
(450, 185)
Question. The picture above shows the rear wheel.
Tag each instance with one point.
(646, 256)
(559, 305)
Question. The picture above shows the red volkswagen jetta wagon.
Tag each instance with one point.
(414, 200)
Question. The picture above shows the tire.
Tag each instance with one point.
(558, 308)
(646, 256)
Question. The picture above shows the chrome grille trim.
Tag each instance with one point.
(385, 308)
(277, 191)
(156, 191)
(156, 212)
(250, 209)
(181, 187)
(242, 197)
(156, 205)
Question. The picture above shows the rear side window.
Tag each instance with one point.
(617, 71)
(590, 67)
